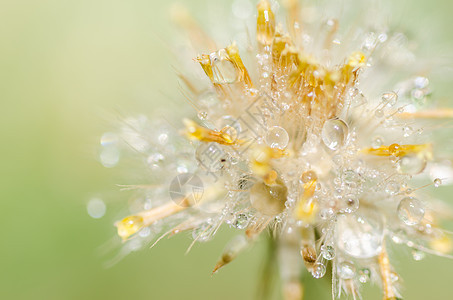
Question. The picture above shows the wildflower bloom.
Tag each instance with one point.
(322, 136)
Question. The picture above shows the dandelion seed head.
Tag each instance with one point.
(316, 131)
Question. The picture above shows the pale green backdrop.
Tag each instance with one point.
(67, 67)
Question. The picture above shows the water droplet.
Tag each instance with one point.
(418, 95)
(202, 233)
(319, 270)
(154, 159)
(349, 176)
(346, 270)
(334, 133)
(364, 275)
(392, 187)
(308, 176)
(379, 113)
(223, 69)
(389, 99)
(128, 226)
(377, 142)
(202, 115)
(394, 277)
(411, 164)
(162, 138)
(411, 210)
(382, 37)
(229, 134)
(360, 236)
(418, 255)
(328, 252)
(326, 213)
(145, 232)
(241, 221)
(96, 208)
(407, 131)
(398, 237)
(349, 204)
(421, 82)
(437, 182)
(109, 156)
(277, 137)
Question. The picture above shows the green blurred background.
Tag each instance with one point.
(66, 66)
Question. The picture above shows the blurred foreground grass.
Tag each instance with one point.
(64, 66)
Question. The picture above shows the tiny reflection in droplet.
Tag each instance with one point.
(109, 139)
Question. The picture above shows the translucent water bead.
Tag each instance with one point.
(277, 137)
(334, 133)
(346, 270)
(411, 210)
(223, 69)
(96, 208)
(389, 99)
(319, 270)
(241, 222)
(437, 182)
(349, 203)
(411, 164)
(328, 252)
(360, 236)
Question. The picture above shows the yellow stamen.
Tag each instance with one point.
(132, 224)
(265, 23)
(196, 132)
(443, 113)
(385, 268)
(306, 208)
(399, 150)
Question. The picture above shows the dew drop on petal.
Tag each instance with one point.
(364, 275)
(379, 113)
(334, 133)
(109, 156)
(346, 270)
(411, 210)
(360, 236)
(202, 233)
(308, 176)
(202, 115)
(145, 232)
(421, 82)
(392, 187)
(349, 203)
(377, 142)
(389, 99)
(223, 70)
(437, 182)
(407, 131)
(418, 255)
(229, 133)
(241, 221)
(277, 137)
(328, 252)
(96, 208)
(394, 277)
(411, 164)
(319, 270)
